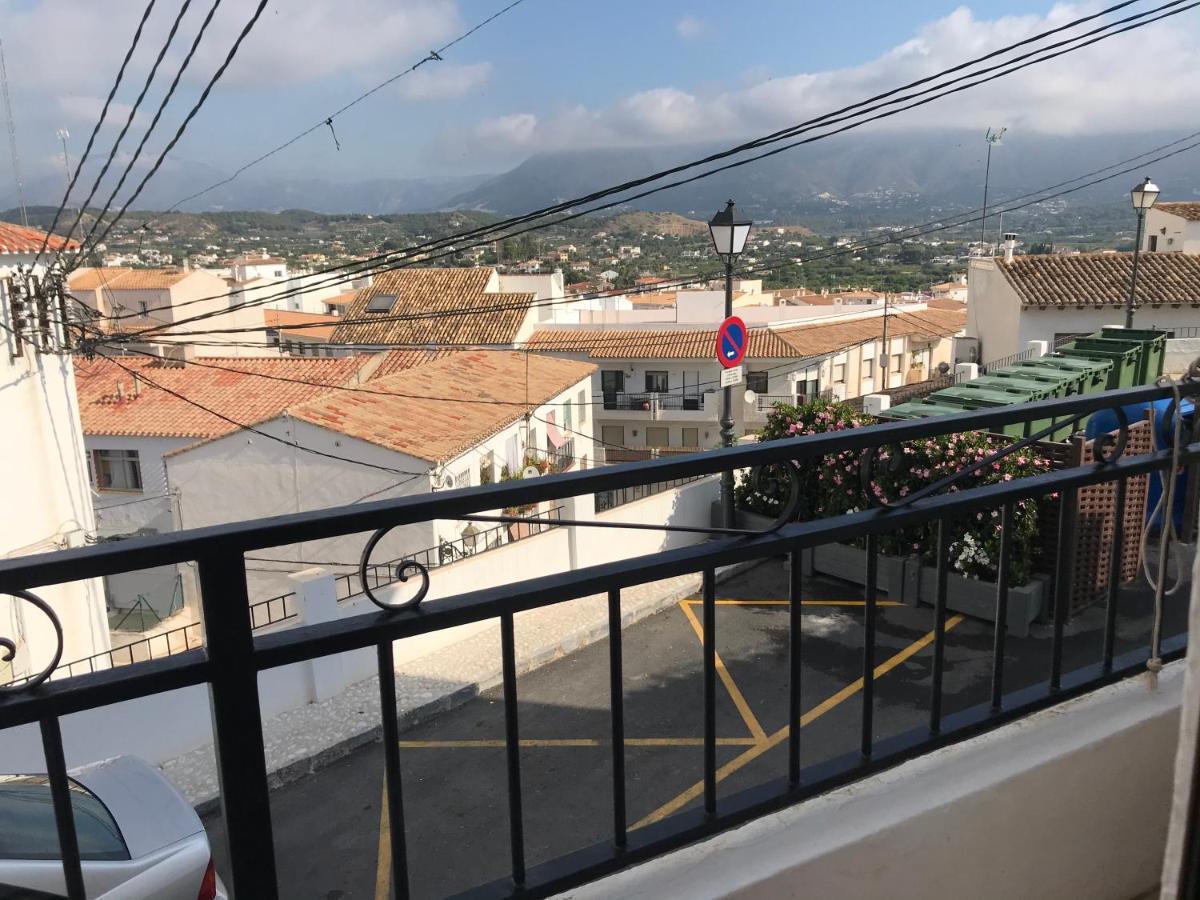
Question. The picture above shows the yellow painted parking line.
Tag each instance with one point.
(383, 869)
(573, 742)
(743, 708)
(779, 736)
(694, 602)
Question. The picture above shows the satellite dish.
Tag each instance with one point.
(751, 396)
(530, 472)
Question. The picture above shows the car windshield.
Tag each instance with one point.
(27, 829)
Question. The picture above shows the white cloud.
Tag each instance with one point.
(1104, 87)
(443, 81)
(295, 41)
(689, 28)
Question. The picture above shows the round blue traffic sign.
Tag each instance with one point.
(731, 342)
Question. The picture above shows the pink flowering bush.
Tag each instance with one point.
(832, 485)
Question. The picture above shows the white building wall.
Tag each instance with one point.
(993, 312)
(48, 503)
(124, 512)
(1048, 324)
(1170, 233)
(247, 476)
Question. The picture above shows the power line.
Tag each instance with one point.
(433, 56)
(137, 36)
(112, 153)
(361, 266)
(784, 262)
(137, 153)
(183, 125)
(244, 427)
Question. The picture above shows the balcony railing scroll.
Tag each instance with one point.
(233, 655)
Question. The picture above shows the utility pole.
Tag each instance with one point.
(885, 354)
(992, 137)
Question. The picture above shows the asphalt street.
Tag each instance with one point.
(328, 827)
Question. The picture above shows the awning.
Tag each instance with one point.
(552, 433)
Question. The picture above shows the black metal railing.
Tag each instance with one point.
(165, 643)
(233, 656)
(646, 402)
(606, 500)
(268, 612)
(378, 575)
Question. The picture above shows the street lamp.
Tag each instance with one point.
(729, 235)
(1143, 195)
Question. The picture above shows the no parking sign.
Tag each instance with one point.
(731, 342)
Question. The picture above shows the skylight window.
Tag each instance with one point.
(381, 303)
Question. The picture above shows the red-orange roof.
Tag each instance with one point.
(241, 395)
(286, 318)
(22, 239)
(424, 417)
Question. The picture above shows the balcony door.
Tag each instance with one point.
(691, 391)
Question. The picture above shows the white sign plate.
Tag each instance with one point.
(733, 376)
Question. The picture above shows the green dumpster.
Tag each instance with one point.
(970, 396)
(1091, 374)
(1154, 345)
(1125, 355)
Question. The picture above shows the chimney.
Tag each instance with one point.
(120, 391)
(1010, 244)
(137, 385)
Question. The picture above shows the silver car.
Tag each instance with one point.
(138, 838)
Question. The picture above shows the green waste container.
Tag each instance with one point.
(1125, 355)
(970, 396)
(1154, 345)
(1091, 375)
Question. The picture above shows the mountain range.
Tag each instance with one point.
(847, 180)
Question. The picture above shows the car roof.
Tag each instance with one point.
(150, 812)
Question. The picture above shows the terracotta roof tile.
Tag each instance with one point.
(398, 360)
(434, 291)
(20, 239)
(813, 340)
(283, 318)
(122, 278)
(1102, 279)
(650, 344)
(945, 303)
(1185, 209)
(240, 395)
(440, 429)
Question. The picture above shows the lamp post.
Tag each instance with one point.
(729, 239)
(1143, 195)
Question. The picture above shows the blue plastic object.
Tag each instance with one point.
(1106, 420)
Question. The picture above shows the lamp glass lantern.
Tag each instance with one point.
(1144, 195)
(728, 232)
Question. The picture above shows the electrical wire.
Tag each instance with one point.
(565, 205)
(1007, 206)
(435, 55)
(182, 127)
(162, 106)
(112, 153)
(250, 428)
(137, 37)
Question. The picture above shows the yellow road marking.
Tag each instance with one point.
(383, 870)
(743, 708)
(573, 742)
(695, 602)
(779, 736)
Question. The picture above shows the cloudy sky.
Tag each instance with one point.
(560, 74)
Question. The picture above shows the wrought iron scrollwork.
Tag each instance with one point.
(404, 570)
(1106, 454)
(8, 646)
(767, 478)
